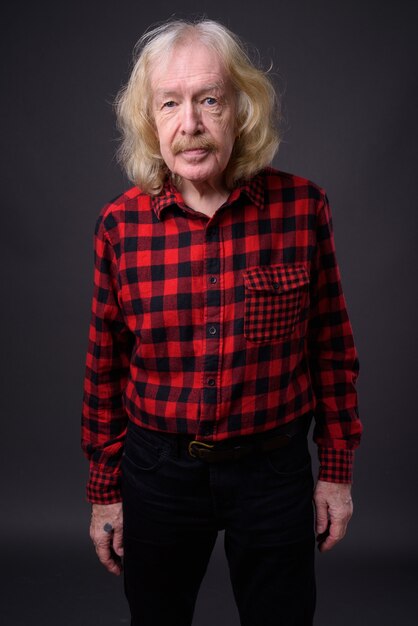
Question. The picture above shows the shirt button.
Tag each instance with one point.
(211, 382)
(212, 330)
(213, 280)
(276, 285)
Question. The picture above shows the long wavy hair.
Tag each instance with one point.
(257, 106)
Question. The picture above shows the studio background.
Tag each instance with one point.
(347, 72)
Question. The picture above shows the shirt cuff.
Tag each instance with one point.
(103, 486)
(336, 466)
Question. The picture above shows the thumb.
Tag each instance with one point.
(118, 542)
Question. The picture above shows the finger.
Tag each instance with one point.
(337, 531)
(103, 550)
(105, 556)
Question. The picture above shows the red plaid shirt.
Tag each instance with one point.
(218, 327)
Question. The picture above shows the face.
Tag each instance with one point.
(193, 106)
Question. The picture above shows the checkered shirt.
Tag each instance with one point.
(218, 327)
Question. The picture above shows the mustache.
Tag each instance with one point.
(193, 143)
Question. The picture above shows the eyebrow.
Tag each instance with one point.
(168, 93)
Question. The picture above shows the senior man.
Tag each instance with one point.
(219, 330)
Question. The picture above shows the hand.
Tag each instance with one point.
(109, 542)
(334, 508)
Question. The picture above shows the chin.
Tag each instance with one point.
(198, 175)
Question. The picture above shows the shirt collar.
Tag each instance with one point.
(169, 196)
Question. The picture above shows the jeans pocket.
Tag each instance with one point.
(292, 461)
(143, 451)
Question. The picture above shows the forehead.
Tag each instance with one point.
(188, 66)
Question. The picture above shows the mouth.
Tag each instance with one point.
(195, 153)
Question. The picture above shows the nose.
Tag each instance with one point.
(191, 121)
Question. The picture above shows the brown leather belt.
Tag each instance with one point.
(207, 452)
(278, 438)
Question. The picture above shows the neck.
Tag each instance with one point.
(204, 197)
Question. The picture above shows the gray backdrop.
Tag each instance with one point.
(347, 72)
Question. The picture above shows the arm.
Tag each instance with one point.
(333, 365)
(104, 419)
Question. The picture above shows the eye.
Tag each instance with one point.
(169, 105)
(210, 101)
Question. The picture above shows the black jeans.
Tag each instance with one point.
(175, 505)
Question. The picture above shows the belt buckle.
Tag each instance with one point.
(198, 445)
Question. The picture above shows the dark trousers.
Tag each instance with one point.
(175, 505)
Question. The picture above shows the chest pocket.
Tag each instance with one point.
(276, 299)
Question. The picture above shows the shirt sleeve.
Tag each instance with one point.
(104, 419)
(333, 360)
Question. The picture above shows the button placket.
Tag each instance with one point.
(212, 317)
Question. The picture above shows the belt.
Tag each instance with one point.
(278, 438)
